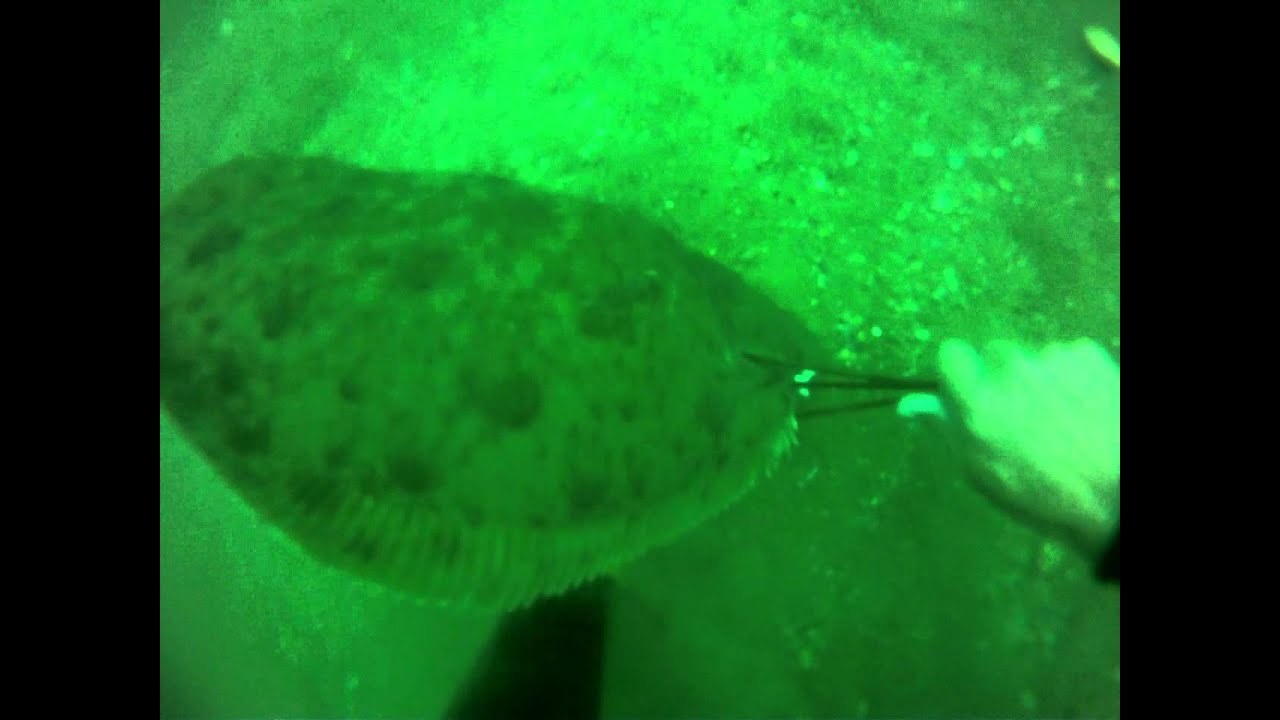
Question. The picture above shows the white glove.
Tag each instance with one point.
(1040, 433)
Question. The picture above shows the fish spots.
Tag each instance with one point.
(628, 411)
(599, 320)
(412, 473)
(613, 313)
(588, 493)
(512, 401)
(218, 238)
(362, 545)
(714, 413)
(338, 455)
(421, 267)
(283, 308)
(350, 389)
(246, 435)
(211, 325)
(230, 375)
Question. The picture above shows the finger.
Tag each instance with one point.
(961, 369)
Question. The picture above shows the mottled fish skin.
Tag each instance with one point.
(456, 385)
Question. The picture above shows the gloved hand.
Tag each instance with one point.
(1040, 433)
